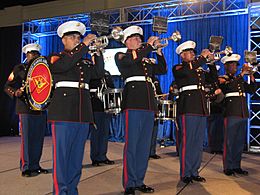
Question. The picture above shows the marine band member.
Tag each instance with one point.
(191, 107)
(70, 110)
(235, 113)
(138, 104)
(32, 123)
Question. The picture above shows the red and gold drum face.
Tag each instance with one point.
(39, 84)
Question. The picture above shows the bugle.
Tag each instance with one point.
(163, 42)
(101, 42)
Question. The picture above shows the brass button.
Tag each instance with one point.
(64, 94)
(82, 79)
(71, 53)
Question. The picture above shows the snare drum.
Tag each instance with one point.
(167, 110)
(112, 99)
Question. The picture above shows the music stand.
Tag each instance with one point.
(99, 23)
(160, 24)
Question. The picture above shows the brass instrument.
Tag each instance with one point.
(176, 36)
(217, 55)
(228, 52)
(101, 42)
(251, 59)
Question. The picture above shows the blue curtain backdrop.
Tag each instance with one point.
(234, 29)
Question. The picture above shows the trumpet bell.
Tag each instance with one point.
(228, 51)
(117, 33)
(176, 36)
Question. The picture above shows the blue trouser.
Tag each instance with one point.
(216, 132)
(138, 135)
(99, 136)
(191, 144)
(32, 129)
(154, 138)
(234, 139)
(68, 148)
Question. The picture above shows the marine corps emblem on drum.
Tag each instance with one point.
(38, 84)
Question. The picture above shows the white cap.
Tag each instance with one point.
(232, 58)
(31, 47)
(71, 26)
(184, 46)
(132, 30)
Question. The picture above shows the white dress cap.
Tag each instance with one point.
(31, 47)
(71, 26)
(132, 30)
(184, 46)
(232, 58)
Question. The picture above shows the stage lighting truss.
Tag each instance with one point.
(176, 10)
(254, 100)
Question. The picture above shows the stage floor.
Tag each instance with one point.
(162, 174)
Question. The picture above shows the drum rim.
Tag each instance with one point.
(113, 90)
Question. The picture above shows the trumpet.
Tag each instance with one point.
(251, 59)
(101, 42)
(228, 51)
(176, 36)
(252, 68)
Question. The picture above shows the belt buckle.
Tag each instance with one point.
(82, 85)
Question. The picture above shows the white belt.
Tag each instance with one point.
(190, 87)
(235, 94)
(93, 90)
(138, 78)
(72, 84)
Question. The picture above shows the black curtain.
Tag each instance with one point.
(10, 55)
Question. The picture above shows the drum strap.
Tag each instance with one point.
(190, 87)
(72, 84)
(235, 94)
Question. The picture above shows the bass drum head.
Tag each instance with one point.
(39, 84)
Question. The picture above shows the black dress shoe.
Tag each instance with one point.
(229, 172)
(129, 191)
(145, 189)
(198, 178)
(240, 171)
(155, 156)
(108, 162)
(41, 170)
(29, 173)
(187, 180)
(95, 163)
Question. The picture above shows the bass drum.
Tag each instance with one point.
(38, 84)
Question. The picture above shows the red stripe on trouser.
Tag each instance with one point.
(55, 181)
(22, 142)
(183, 144)
(125, 150)
(225, 143)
